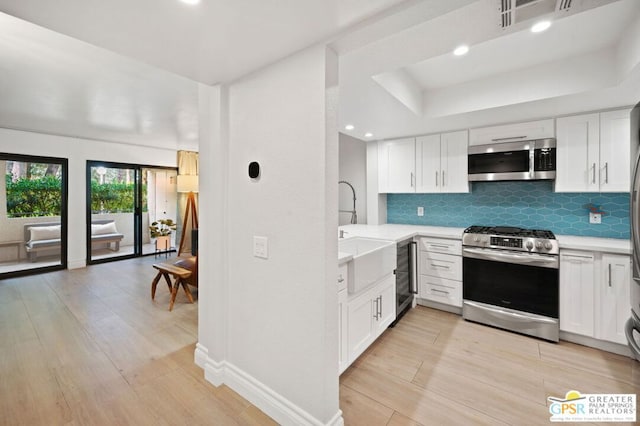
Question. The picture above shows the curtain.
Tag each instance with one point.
(187, 163)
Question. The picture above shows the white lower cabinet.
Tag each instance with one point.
(441, 290)
(343, 354)
(594, 294)
(614, 306)
(368, 315)
(440, 271)
(577, 292)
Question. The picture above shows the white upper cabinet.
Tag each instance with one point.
(594, 152)
(397, 166)
(428, 155)
(454, 162)
(540, 129)
(615, 151)
(577, 153)
(441, 163)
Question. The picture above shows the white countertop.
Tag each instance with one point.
(399, 233)
(607, 245)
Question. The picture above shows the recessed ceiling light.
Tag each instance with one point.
(349, 127)
(190, 1)
(538, 27)
(368, 135)
(461, 50)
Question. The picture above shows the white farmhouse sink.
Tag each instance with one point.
(372, 260)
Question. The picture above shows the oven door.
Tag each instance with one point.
(519, 281)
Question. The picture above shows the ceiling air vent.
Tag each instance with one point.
(516, 11)
(564, 4)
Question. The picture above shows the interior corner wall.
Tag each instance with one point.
(78, 151)
(376, 203)
(353, 164)
(282, 311)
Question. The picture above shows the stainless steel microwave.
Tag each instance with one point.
(522, 160)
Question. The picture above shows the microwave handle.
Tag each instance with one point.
(509, 138)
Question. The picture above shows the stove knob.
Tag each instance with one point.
(529, 245)
(539, 245)
(485, 241)
(547, 245)
(476, 239)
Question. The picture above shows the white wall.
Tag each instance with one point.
(78, 151)
(277, 342)
(353, 169)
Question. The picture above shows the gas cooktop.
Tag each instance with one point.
(511, 238)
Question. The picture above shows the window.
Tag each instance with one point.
(33, 222)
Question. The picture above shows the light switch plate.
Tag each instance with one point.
(420, 211)
(595, 218)
(261, 247)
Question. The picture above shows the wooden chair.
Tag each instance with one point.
(184, 273)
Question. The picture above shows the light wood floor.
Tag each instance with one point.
(434, 368)
(88, 347)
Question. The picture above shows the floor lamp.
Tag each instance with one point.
(188, 184)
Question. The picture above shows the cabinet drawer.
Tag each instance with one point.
(441, 245)
(441, 265)
(441, 290)
(343, 276)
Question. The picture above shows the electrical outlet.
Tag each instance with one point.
(595, 218)
(420, 211)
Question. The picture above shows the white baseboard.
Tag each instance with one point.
(200, 355)
(266, 399)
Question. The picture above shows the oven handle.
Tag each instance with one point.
(512, 315)
(510, 257)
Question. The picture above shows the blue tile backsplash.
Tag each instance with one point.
(524, 204)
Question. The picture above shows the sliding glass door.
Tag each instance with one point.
(124, 201)
(113, 194)
(33, 214)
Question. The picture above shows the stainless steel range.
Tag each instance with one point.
(511, 279)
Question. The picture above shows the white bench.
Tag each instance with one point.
(46, 236)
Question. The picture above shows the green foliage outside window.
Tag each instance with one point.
(115, 197)
(33, 197)
(29, 197)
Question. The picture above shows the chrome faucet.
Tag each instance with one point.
(354, 216)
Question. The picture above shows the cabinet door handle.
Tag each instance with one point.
(380, 306)
(439, 291)
(441, 246)
(433, 265)
(593, 180)
(412, 179)
(436, 178)
(340, 280)
(606, 172)
(443, 184)
(609, 275)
